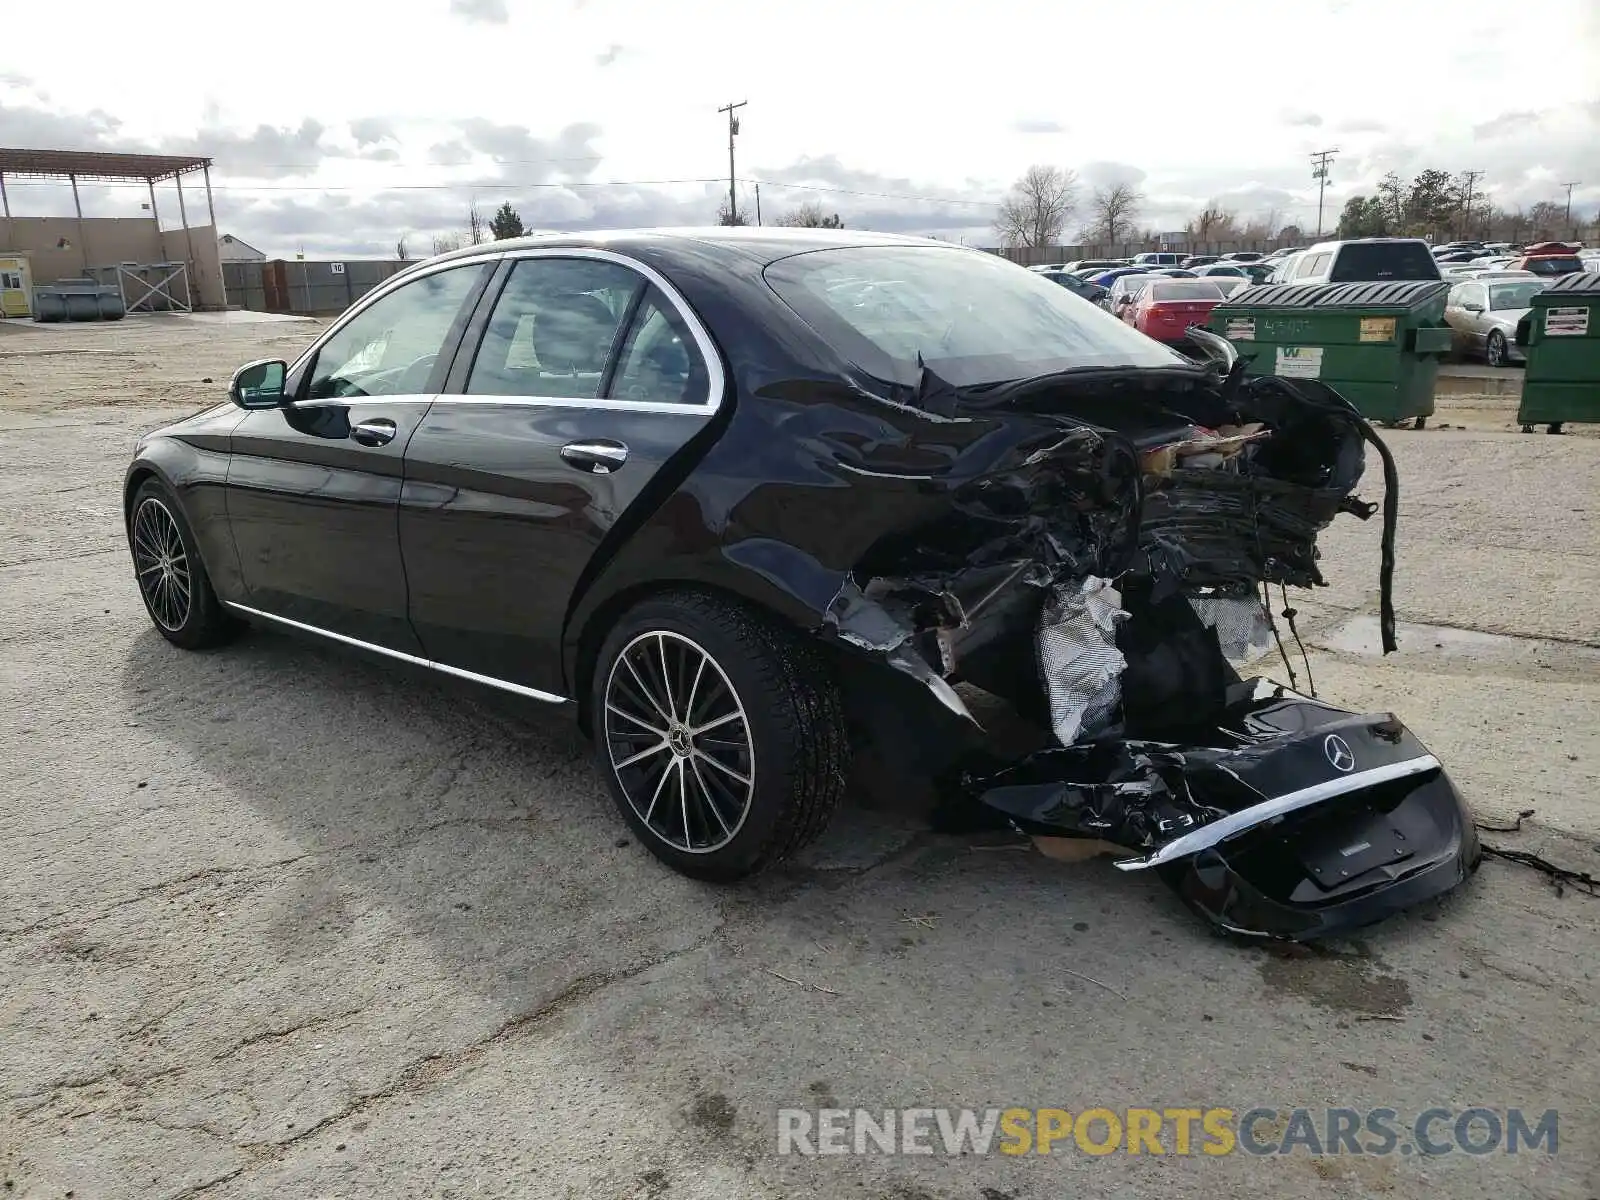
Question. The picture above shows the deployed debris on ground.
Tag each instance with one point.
(1102, 561)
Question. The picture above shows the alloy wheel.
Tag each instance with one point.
(162, 564)
(1497, 351)
(679, 742)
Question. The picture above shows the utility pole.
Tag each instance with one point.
(1471, 178)
(1319, 171)
(758, 204)
(1569, 187)
(733, 129)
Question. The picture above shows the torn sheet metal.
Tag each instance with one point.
(1078, 656)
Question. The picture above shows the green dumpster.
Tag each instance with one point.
(1377, 344)
(1561, 339)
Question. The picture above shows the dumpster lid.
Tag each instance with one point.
(1398, 293)
(1582, 284)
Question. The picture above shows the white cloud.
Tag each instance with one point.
(904, 123)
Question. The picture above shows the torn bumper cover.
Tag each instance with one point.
(1295, 820)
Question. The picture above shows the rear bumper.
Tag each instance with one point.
(1257, 886)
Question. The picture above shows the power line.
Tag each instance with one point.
(1319, 171)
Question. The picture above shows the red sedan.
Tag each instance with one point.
(1166, 308)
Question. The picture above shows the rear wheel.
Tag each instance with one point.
(721, 735)
(1495, 349)
(172, 580)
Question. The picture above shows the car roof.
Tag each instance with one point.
(761, 244)
(1366, 241)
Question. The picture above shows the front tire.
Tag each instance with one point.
(171, 578)
(721, 735)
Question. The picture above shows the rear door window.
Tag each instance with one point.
(553, 328)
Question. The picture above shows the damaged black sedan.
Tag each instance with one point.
(770, 510)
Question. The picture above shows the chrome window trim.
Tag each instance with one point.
(1258, 814)
(717, 380)
(445, 668)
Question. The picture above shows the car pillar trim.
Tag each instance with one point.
(1259, 814)
(488, 680)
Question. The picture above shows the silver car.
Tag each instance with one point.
(1483, 315)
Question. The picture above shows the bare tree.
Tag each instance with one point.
(1213, 223)
(400, 250)
(474, 226)
(727, 216)
(1038, 207)
(1114, 209)
(810, 215)
(443, 243)
(1264, 227)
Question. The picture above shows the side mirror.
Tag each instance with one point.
(259, 384)
(1472, 306)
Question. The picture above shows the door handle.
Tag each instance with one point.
(379, 431)
(599, 457)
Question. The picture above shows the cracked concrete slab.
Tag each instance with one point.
(242, 955)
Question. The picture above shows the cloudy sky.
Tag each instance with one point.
(338, 126)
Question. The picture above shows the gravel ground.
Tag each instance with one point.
(276, 922)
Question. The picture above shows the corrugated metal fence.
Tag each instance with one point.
(313, 289)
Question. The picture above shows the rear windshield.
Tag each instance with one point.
(1183, 289)
(972, 317)
(1360, 261)
(1554, 265)
(1504, 296)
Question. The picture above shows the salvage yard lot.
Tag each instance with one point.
(280, 922)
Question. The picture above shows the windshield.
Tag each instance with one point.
(973, 317)
(1515, 295)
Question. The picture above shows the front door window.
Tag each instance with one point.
(391, 347)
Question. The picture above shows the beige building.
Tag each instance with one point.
(232, 249)
(157, 267)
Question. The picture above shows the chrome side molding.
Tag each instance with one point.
(444, 668)
(1259, 814)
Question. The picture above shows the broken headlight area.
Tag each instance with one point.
(1104, 584)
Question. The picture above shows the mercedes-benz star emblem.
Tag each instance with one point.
(1339, 752)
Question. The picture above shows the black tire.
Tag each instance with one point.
(161, 576)
(790, 718)
(1494, 350)
(1420, 423)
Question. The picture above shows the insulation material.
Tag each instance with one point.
(1078, 656)
(1240, 621)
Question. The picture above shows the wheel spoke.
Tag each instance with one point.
(656, 795)
(666, 679)
(644, 689)
(643, 754)
(628, 716)
(721, 766)
(683, 797)
(710, 801)
(694, 690)
(720, 721)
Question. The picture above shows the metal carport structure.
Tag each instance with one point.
(112, 166)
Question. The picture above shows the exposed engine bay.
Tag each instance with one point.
(1103, 572)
